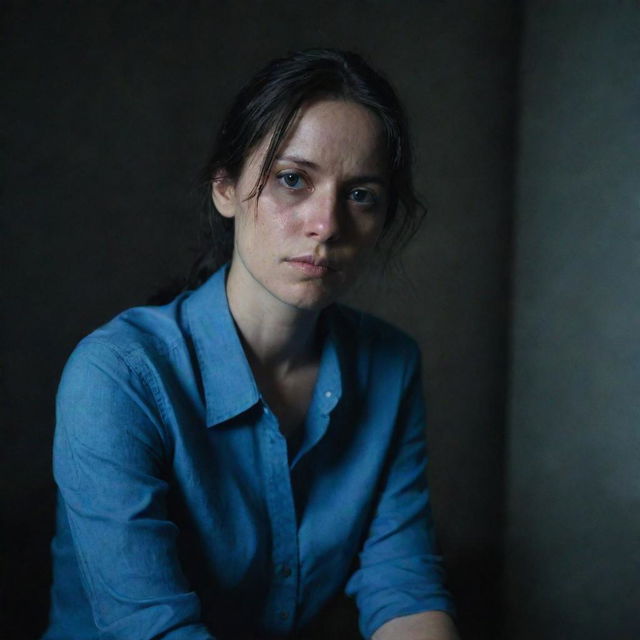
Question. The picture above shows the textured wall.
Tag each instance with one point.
(109, 108)
(573, 473)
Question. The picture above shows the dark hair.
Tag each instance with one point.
(268, 104)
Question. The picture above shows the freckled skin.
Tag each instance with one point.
(326, 197)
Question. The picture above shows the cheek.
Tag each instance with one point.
(276, 219)
(370, 230)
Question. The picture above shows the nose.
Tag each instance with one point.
(322, 219)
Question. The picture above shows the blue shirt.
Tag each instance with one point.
(181, 512)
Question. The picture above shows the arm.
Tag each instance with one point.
(399, 585)
(108, 464)
(429, 625)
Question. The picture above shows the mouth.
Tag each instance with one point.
(312, 265)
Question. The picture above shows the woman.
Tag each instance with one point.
(229, 461)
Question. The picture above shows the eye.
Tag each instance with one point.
(291, 180)
(363, 196)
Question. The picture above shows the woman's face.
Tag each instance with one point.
(305, 239)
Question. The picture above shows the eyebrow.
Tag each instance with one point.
(299, 160)
(374, 179)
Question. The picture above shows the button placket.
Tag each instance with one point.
(284, 530)
(285, 571)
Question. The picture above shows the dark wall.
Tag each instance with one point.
(574, 456)
(109, 108)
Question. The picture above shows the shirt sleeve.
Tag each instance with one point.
(109, 454)
(399, 571)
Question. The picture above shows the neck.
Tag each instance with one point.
(276, 336)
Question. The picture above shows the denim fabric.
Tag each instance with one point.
(181, 514)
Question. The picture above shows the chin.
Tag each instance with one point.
(312, 304)
(315, 299)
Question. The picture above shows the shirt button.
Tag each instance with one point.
(285, 572)
(284, 615)
(327, 394)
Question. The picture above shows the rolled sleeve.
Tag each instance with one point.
(400, 572)
(109, 458)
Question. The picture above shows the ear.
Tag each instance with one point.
(223, 193)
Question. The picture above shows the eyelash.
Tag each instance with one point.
(283, 175)
(370, 194)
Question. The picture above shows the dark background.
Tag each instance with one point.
(523, 285)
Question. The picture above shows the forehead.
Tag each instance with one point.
(337, 134)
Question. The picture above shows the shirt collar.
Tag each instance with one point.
(227, 379)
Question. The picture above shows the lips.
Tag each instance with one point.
(312, 265)
(314, 260)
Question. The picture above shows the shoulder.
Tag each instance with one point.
(108, 391)
(135, 335)
(120, 359)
